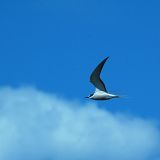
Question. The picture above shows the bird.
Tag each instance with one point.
(101, 92)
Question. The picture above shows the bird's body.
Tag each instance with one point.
(101, 95)
(101, 92)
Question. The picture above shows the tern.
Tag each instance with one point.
(101, 92)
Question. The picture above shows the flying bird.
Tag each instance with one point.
(101, 92)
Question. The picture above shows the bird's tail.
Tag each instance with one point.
(120, 95)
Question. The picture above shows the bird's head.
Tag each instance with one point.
(89, 96)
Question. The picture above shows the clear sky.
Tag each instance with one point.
(55, 44)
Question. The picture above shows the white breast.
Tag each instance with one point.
(100, 95)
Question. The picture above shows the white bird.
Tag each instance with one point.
(100, 93)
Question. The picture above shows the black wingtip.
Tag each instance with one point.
(106, 58)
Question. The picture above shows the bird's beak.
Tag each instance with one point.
(86, 97)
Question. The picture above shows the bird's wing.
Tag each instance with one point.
(95, 76)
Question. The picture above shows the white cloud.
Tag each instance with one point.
(39, 126)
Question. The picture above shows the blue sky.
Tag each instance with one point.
(55, 44)
(48, 48)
